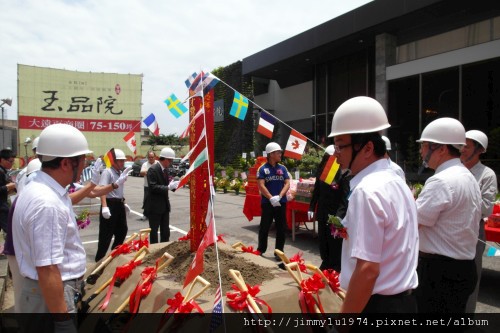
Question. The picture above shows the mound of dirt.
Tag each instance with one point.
(252, 273)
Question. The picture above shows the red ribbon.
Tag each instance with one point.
(177, 304)
(122, 273)
(238, 300)
(143, 288)
(250, 250)
(333, 279)
(309, 288)
(301, 262)
(121, 249)
(185, 238)
(220, 239)
(138, 244)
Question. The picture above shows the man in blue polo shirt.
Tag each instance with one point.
(273, 182)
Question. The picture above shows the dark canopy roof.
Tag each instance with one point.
(292, 61)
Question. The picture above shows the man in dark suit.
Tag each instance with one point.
(157, 207)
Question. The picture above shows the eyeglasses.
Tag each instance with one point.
(338, 149)
(11, 160)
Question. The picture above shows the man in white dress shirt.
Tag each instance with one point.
(476, 143)
(394, 166)
(47, 244)
(449, 208)
(379, 257)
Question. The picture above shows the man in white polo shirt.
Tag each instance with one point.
(379, 255)
(449, 208)
(48, 247)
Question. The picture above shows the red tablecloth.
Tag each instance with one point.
(300, 209)
(492, 234)
(251, 207)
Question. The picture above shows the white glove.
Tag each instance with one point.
(310, 215)
(275, 201)
(96, 172)
(123, 177)
(172, 186)
(127, 209)
(106, 213)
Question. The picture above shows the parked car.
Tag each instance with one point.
(136, 167)
(128, 164)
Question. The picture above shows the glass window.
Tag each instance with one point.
(440, 95)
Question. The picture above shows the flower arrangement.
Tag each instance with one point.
(416, 189)
(83, 219)
(337, 228)
(223, 182)
(235, 184)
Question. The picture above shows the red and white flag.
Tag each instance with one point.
(196, 116)
(131, 143)
(295, 145)
(209, 238)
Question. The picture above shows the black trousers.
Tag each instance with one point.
(444, 284)
(330, 248)
(161, 221)
(116, 226)
(270, 213)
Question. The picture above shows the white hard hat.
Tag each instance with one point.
(359, 115)
(272, 146)
(61, 140)
(33, 165)
(479, 137)
(34, 145)
(119, 154)
(167, 153)
(387, 142)
(330, 150)
(448, 131)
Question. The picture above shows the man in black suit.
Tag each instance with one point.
(157, 207)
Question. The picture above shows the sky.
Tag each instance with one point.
(165, 40)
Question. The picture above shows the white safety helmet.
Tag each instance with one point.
(359, 115)
(272, 146)
(387, 142)
(34, 145)
(479, 137)
(61, 140)
(447, 131)
(33, 165)
(330, 150)
(119, 154)
(167, 153)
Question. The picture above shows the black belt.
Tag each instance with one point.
(401, 294)
(115, 199)
(433, 256)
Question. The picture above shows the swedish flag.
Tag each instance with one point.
(175, 106)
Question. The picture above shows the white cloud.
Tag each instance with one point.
(165, 40)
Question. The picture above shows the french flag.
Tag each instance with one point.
(151, 123)
(266, 125)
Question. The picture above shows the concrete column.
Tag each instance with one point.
(385, 55)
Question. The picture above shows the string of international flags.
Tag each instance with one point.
(200, 84)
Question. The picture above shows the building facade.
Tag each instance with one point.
(421, 59)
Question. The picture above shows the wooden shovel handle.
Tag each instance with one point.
(197, 280)
(282, 256)
(238, 279)
(237, 245)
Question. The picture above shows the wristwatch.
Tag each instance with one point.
(114, 186)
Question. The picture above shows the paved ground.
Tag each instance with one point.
(231, 222)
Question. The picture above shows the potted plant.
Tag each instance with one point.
(235, 185)
(223, 184)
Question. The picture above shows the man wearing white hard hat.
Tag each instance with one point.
(329, 199)
(449, 208)
(47, 244)
(20, 178)
(476, 143)
(273, 182)
(379, 252)
(396, 168)
(113, 216)
(157, 207)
